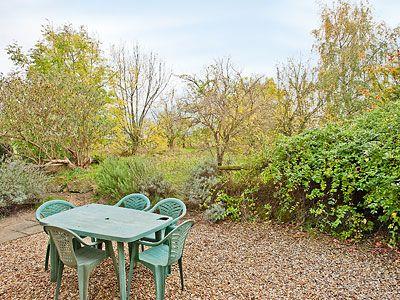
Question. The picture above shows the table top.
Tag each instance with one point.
(109, 222)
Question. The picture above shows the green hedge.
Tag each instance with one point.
(344, 179)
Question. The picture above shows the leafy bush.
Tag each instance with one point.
(156, 187)
(216, 212)
(237, 207)
(21, 183)
(344, 179)
(202, 183)
(117, 177)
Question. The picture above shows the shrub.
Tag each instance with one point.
(21, 183)
(237, 207)
(202, 183)
(216, 212)
(117, 177)
(344, 179)
(156, 187)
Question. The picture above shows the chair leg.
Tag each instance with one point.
(46, 261)
(159, 277)
(133, 250)
(181, 272)
(129, 250)
(83, 280)
(54, 260)
(168, 270)
(59, 277)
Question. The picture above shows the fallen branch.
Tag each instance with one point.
(231, 168)
(59, 162)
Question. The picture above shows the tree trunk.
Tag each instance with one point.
(220, 157)
(135, 141)
(171, 143)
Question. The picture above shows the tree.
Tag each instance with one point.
(171, 121)
(223, 101)
(297, 102)
(139, 79)
(348, 43)
(63, 50)
(384, 75)
(53, 106)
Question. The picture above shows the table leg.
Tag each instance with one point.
(110, 250)
(53, 261)
(122, 273)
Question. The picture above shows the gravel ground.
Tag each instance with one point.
(224, 261)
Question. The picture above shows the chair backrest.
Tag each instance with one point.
(52, 207)
(170, 207)
(135, 201)
(63, 239)
(176, 240)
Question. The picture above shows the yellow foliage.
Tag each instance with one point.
(153, 139)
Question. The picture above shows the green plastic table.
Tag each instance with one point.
(111, 223)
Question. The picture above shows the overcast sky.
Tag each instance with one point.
(187, 34)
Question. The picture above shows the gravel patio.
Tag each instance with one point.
(224, 261)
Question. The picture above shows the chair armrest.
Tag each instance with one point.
(170, 228)
(150, 244)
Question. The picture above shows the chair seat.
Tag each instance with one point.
(89, 256)
(157, 256)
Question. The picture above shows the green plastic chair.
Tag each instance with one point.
(170, 207)
(135, 201)
(161, 256)
(47, 209)
(84, 258)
